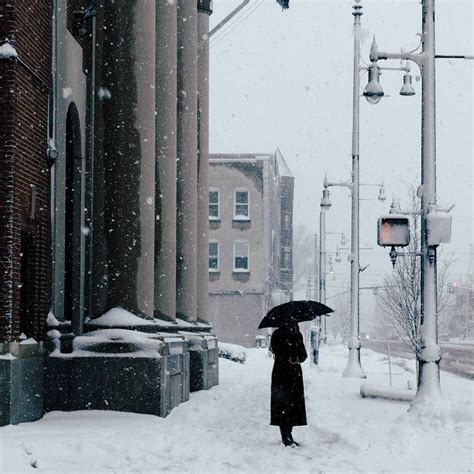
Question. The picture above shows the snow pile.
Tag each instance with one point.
(141, 344)
(66, 92)
(367, 390)
(51, 321)
(28, 341)
(232, 352)
(7, 51)
(120, 317)
(226, 429)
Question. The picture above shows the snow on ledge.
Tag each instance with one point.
(51, 321)
(29, 341)
(387, 393)
(120, 317)
(7, 51)
(232, 352)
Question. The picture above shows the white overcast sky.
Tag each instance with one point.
(284, 79)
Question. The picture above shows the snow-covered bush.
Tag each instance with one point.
(232, 352)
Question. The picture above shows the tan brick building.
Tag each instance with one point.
(250, 241)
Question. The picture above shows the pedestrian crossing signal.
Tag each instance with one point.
(393, 231)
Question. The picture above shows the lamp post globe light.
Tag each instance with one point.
(373, 91)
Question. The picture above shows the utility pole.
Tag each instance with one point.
(429, 352)
(354, 368)
(322, 264)
(316, 269)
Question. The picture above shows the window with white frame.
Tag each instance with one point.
(213, 256)
(241, 204)
(214, 204)
(241, 256)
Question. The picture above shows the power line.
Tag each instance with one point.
(234, 25)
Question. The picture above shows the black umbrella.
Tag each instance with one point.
(293, 312)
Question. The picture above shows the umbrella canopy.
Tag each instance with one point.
(293, 312)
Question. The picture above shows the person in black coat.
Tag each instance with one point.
(287, 394)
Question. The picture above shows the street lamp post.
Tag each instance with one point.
(325, 205)
(353, 368)
(429, 353)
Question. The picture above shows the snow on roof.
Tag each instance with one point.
(239, 157)
(282, 165)
(284, 170)
(7, 51)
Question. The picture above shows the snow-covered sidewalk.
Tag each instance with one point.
(226, 429)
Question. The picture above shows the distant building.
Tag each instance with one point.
(250, 241)
(460, 313)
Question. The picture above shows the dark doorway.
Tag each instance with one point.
(72, 230)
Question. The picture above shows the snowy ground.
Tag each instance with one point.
(226, 429)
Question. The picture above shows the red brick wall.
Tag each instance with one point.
(23, 147)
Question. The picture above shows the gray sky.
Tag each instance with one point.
(285, 79)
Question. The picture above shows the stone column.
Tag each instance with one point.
(129, 154)
(186, 259)
(204, 11)
(165, 149)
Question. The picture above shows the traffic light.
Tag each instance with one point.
(284, 4)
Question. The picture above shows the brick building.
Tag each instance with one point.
(24, 171)
(250, 241)
(101, 305)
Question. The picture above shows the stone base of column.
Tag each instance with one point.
(21, 383)
(119, 370)
(204, 359)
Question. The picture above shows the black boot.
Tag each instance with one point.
(286, 435)
(293, 441)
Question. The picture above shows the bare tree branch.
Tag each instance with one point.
(401, 298)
